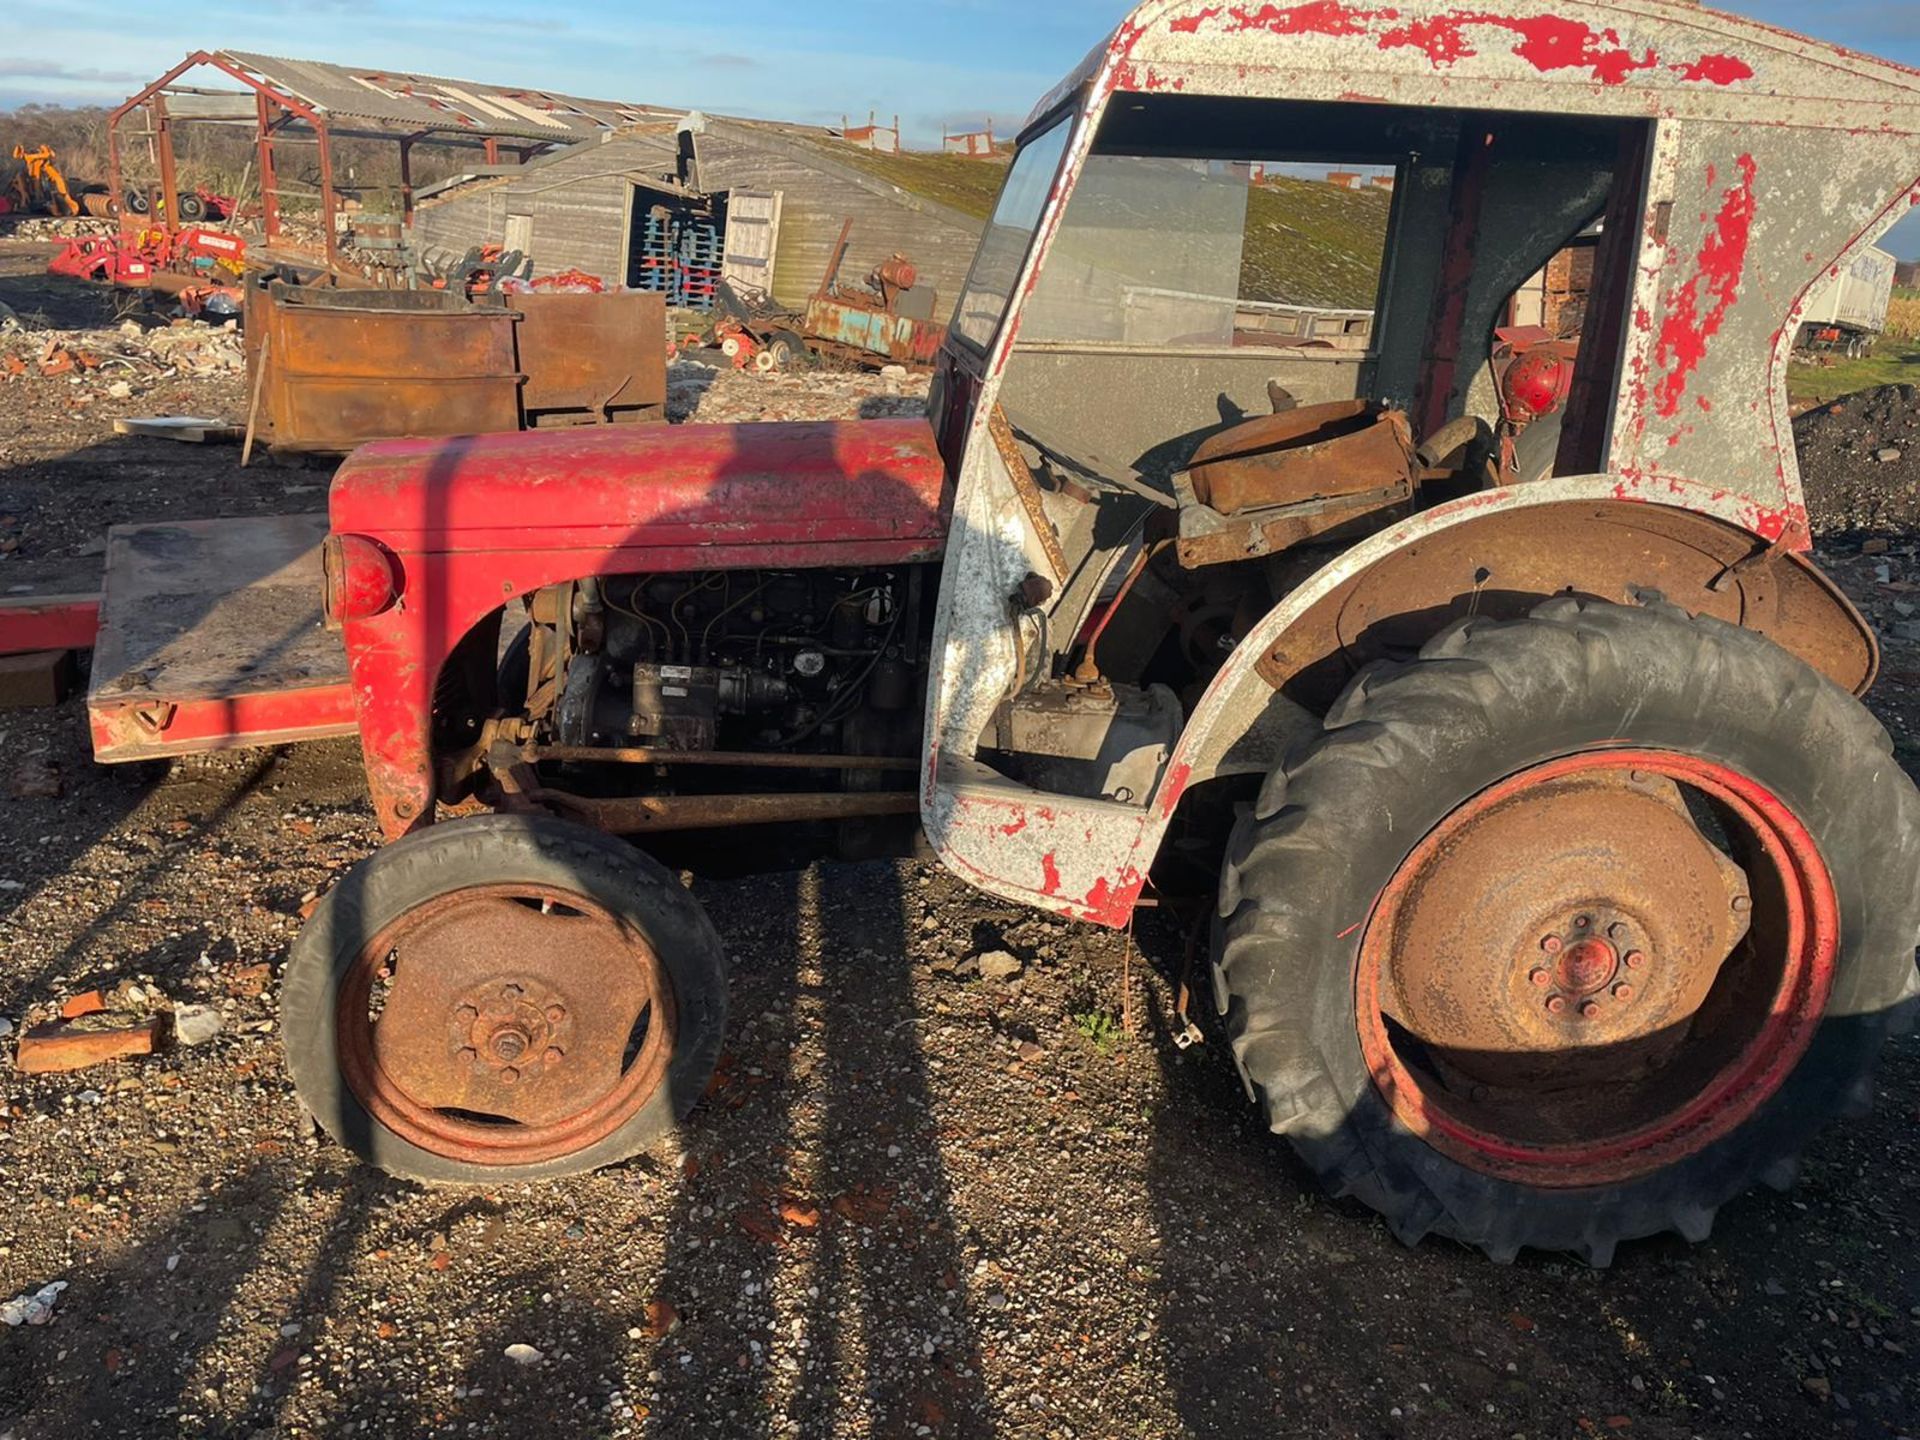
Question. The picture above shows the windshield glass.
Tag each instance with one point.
(996, 268)
(1204, 253)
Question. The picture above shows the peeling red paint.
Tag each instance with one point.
(1191, 24)
(1318, 17)
(1547, 42)
(1050, 870)
(1716, 70)
(1686, 328)
(1111, 903)
(1174, 787)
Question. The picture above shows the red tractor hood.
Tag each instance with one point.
(622, 487)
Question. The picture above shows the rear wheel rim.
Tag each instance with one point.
(505, 1025)
(1529, 1005)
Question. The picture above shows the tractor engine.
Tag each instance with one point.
(805, 661)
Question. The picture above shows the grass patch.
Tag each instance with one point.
(1098, 1029)
(1895, 362)
(969, 186)
(1310, 243)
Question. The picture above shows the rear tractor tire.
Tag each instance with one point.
(1574, 928)
(505, 998)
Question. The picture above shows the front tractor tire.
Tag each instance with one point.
(504, 998)
(1572, 929)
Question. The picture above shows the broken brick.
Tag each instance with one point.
(91, 1003)
(54, 1049)
(58, 363)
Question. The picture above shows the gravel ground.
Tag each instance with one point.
(916, 1202)
(1862, 458)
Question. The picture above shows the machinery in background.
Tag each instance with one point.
(887, 321)
(39, 187)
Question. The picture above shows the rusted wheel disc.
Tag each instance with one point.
(505, 1024)
(1597, 968)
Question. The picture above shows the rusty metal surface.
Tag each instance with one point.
(740, 759)
(647, 814)
(866, 328)
(1565, 1054)
(1562, 937)
(1252, 534)
(1316, 452)
(592, 358)
(346, 367)
(1501, 564)
(497, 1024)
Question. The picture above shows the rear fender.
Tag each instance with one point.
(1498, 554)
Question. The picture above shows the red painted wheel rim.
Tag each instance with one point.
(505, 1025)
(1727, 1056)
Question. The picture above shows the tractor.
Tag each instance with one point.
(1559, 885)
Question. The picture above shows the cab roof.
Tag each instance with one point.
(1653, 58)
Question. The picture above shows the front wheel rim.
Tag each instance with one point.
(505, 1025)
(1524, 1005)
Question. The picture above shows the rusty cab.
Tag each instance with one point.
(1474, 668)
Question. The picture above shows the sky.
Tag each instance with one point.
(935, 63)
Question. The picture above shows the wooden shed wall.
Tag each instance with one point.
(578, 205)
(475, 214)
(577, 201)
(819, 197)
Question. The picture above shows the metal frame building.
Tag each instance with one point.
(290, 102)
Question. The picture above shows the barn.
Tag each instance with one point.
(766, 202)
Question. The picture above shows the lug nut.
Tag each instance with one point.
(1617, 931)
(1552, 944)
(1541, 978)
(554, 1055)
(1556, 1004)
(509, 1075)
(470, 1055)
(1623, 992)
(555, 1014)
(1581, 922)
(1742, 904)
(1589, 1010)
(1636, 960)
(466, 1014)
(511, 992)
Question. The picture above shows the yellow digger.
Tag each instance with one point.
(39, 188)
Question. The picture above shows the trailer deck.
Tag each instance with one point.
(211, 638)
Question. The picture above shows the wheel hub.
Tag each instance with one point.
(516, 1024)
(1512, 940)
(1573, 971)
(518, 1029)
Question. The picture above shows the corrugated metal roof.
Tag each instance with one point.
(402, 100)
